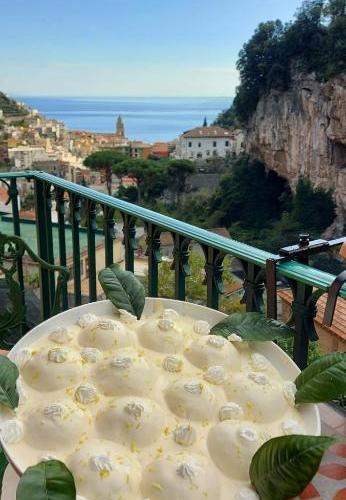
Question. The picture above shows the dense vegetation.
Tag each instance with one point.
(10, 107)
(314, 42)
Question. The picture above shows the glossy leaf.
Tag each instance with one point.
(123, 289)
(323, 380)
(283, 466)
(8, 378)
(252, 326)
(3, 465)
(49, 480)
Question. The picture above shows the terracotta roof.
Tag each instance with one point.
(208, 132)
(3, 195)
(27, 214)
(338, 326)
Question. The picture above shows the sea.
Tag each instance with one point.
(146, 118)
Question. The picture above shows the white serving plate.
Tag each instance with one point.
(283, 363)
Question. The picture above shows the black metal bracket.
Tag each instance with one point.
(301, 253)
(332, 298)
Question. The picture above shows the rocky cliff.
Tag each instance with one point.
(302, 131)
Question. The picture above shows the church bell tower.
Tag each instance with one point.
(120, 129)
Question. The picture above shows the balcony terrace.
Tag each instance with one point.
(63, 242)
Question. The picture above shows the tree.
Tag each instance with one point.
(205, 123)
(314, 42)
(249, 195)
(178, 172)
(312, 208)
(105, 161)
(129, 194)
(150, 175)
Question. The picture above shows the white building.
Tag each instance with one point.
(206, 142)
(23, 157)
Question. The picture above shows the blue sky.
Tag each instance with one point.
(128, 47)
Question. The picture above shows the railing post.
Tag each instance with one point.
(42, 246)
(60, 208)
(154, 257)
(75, 205)
(49, 236)
(91, 230)
(213, 269)
(253, 287)
(129, 231)
(303, 313)
(13, 195)
(110, 234)
(180, 265)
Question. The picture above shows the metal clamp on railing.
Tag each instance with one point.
(301, 253)
(332, 298)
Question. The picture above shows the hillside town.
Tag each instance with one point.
(31, 141)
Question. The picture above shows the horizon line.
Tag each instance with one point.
(125, 96)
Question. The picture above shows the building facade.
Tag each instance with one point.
(208, 142)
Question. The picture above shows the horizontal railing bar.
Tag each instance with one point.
(292, 269)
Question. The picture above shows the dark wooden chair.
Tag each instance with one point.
(13, 315)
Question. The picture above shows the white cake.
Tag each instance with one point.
(151, 409)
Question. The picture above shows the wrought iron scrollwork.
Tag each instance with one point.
(253, 285)
(213, 271)
(129, 232)
(13, 248)
(180, 264)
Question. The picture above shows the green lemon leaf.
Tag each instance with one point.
(49, 480)
(123, 289)
(283, 466)
(323, 380)
(8, 378)
(252, 326)
(3, 465)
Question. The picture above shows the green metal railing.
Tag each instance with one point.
(306, 282)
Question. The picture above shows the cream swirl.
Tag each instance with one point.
(201, 327)
(127, 317)
(193, 387)
(90, 354)
(186, 471)
(230, 411)
(55, 411)
(248, 434)
(60, 335)
(234, 338)
(215, 375)
(134, 409)
(258, 378)
(216, 341)
(259, 362)
(22, 357)
(12, 431)
(57, 355)
(289, 389)
(172, 364)
(170, 314)
(121, 362)
(86, 394)
(101, 463)
(88, 321)
(185, 435)
(107, 324)
(166, 324)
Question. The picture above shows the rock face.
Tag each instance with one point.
(302, 131)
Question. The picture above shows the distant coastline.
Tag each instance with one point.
(146, 118)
